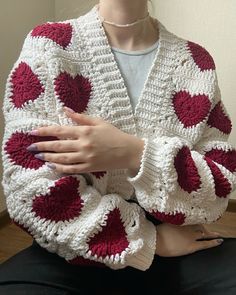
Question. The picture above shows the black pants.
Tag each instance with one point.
(39, 272)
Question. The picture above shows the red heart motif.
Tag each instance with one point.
(188, 177)
(201, 56)
(224, 158)
(222, 185)
(16, 145)
(73, 92)
(63, 202)
(25, 85)
(177, 218)
(191, 110)
(112, 239)
(61, 33)
(219, 119)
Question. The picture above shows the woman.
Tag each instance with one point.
(118, 196)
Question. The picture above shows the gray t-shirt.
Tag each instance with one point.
(134, 67)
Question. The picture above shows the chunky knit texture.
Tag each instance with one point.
(188, 168)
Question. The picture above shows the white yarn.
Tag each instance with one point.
(156, 185)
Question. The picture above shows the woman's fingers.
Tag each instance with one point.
(61, 158)
(209, 244)
(201, 245)
(212, 234)
(205, 234)
(55, 145)
(75, 168)
(55, 130)
(200, 231)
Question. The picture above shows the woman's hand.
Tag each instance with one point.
(96, 145)
(175, 240)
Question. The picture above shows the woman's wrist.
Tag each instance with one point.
(134, 154)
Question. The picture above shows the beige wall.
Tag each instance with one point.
(209, 22)
(73, 8)
(17, 18)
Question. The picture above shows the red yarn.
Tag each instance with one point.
(188, 177)
(201, 56)
(99, 174)
(225, 158)
(73, 92)
(219, 119)
(191, 110)
(173, 218)
(222, 186)
(62, 203)
(112, 239)
(26, 85)
(60, 33)
(16, 145)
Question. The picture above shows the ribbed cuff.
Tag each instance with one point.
(143, 259)
(149, 170)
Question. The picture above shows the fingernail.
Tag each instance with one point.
(220, 241)
(39, 156)
(32, 147)
(50, 165)
(69, 110)
(33, 132)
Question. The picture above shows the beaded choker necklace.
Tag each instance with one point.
(125, 25)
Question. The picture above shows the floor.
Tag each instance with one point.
(14, 239)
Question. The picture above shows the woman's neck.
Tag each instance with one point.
(136, 37)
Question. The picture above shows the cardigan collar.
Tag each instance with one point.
(115, 101)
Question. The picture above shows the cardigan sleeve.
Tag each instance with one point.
(183, 183)
(65, 214)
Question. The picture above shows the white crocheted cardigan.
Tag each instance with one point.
(188, 168)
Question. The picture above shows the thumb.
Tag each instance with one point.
(80, 118)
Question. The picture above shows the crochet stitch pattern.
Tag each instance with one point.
(187, 170)
(26, 85)
(201, 57)
(61, 33)
(73, 92)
